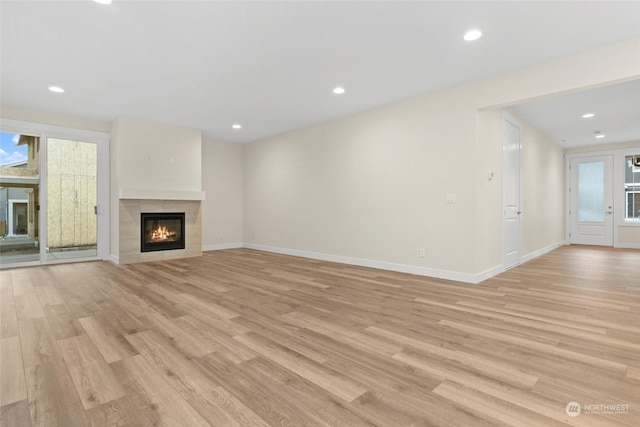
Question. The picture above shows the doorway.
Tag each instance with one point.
(18, 217)
(591, 200)
(59, 189)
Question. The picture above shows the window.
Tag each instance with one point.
(632, 188)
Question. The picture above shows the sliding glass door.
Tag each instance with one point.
(53, 195)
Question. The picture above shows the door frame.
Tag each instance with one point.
(506, 117)
(101, 139)
(619, 155)
(10, 214)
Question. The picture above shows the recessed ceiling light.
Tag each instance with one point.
(588, 115)
(338, 90)
(236, 126)
(600, 135)
(103, 1)
(472, 35)
(56, 89)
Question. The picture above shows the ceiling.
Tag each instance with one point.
(616, 110)
(271, 66)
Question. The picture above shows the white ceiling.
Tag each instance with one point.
(616, 109)
(271, 65)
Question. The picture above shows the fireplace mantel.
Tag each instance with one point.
(138, 194)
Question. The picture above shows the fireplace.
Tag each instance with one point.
(161, 231)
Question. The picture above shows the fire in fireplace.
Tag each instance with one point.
(161, 231)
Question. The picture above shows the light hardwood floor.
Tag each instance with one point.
(247, 338)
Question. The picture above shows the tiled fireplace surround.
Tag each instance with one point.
(129, 237)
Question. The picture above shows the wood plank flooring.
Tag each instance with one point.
(248, 338)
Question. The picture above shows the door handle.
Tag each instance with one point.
(609, 212)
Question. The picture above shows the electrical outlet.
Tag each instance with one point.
(421, 253)
(451, 198)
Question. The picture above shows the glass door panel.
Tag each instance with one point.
(72, 191)
(19, 198)
(591, 191)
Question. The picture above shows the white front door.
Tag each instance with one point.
(511, 191)
(591, 192)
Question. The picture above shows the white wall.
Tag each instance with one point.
(487, 218)
(114, 198)
(543, 192)
(222, 182)
(542, 172)
(373, 186)
(156, 156)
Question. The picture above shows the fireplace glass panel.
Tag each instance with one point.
(162, 231)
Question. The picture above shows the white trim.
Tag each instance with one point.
(138, 194)
(489, 273)
(222, 246)
(567, 198)
(402, 268)
(634, 222)
(37, 129)
(10, 265)
(10, 203)
(114, 259)
(624, 151)
(627, 245)
(540, 252)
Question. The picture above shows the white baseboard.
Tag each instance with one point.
(627, 245)
(540, 252)
(221, 246)
(402, 268)
(114, 259)
(489, 273)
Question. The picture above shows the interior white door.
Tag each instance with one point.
(511, 192)
(591, 190)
